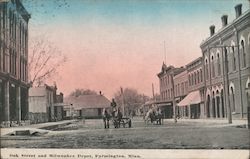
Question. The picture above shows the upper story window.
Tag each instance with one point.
(233, 59)
(189, 80)
(218, 65)
(195, 78)
(192, 79)
(201, 74)
(212, 65)
(243, 51)
(206, 70)
(198, 77)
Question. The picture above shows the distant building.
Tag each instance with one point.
(13, 63)
(41, 103)
(166, 89)
(226, 58)
(194, 101)
(88, 106)
(181, 90)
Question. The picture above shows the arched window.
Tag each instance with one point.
(218, 65)
(192, 79)
(233, 59)
(198, 77)
(189, 80)
(212, 64)
(226, 59)
(195, 78)
(201, 75)
(243, 53)
(206, 70)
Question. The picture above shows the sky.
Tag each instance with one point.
(120, 43)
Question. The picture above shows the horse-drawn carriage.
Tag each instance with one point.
(154, 116)
(117, 119)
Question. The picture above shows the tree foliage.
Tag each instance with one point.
(132, 99)
(79, 92)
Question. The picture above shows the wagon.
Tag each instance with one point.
(125, 122)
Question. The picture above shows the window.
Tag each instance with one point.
(178, 88)
(243, 53)
(192, 79)
(189, 80)
(212, 63)
(201, 75)
(218, 65)
(198, 77)
(195, 78)
(233, 59)
(207, 73)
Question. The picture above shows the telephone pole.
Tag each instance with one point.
(123, 103)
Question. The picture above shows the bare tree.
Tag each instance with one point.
(44, 60)
(132, 99)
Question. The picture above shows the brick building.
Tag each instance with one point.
(166, 89)
(13, 63)
(181, 90)
(217, 81)
(194, 101)
(226, 56)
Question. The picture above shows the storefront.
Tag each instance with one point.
(192, 102)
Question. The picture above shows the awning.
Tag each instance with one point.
(192, 98)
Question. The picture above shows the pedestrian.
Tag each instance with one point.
(105, 116)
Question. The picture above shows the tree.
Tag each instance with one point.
(132, 100)
(44, 60)
(79, 92)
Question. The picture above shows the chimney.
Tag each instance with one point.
(238, 10)
(224, 20)
(212, 27)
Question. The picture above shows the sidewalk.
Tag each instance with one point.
(35, 127)
(214, 122)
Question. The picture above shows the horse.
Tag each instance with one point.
(117, 116)
(154, 115)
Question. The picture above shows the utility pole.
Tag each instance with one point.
(173, 96)
(227, 87)
(123, 103)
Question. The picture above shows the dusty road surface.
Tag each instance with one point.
(170, 135)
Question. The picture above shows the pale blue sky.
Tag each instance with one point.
(123, 39)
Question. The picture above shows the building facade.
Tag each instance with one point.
(13, 63)
(226, 58)
(196, 89)
(181, 90)
(41, 104)
(167, 89)
(88, 106)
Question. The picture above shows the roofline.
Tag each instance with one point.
(224, 29)
(195, 60)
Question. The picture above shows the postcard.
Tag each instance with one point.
(124, 79)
